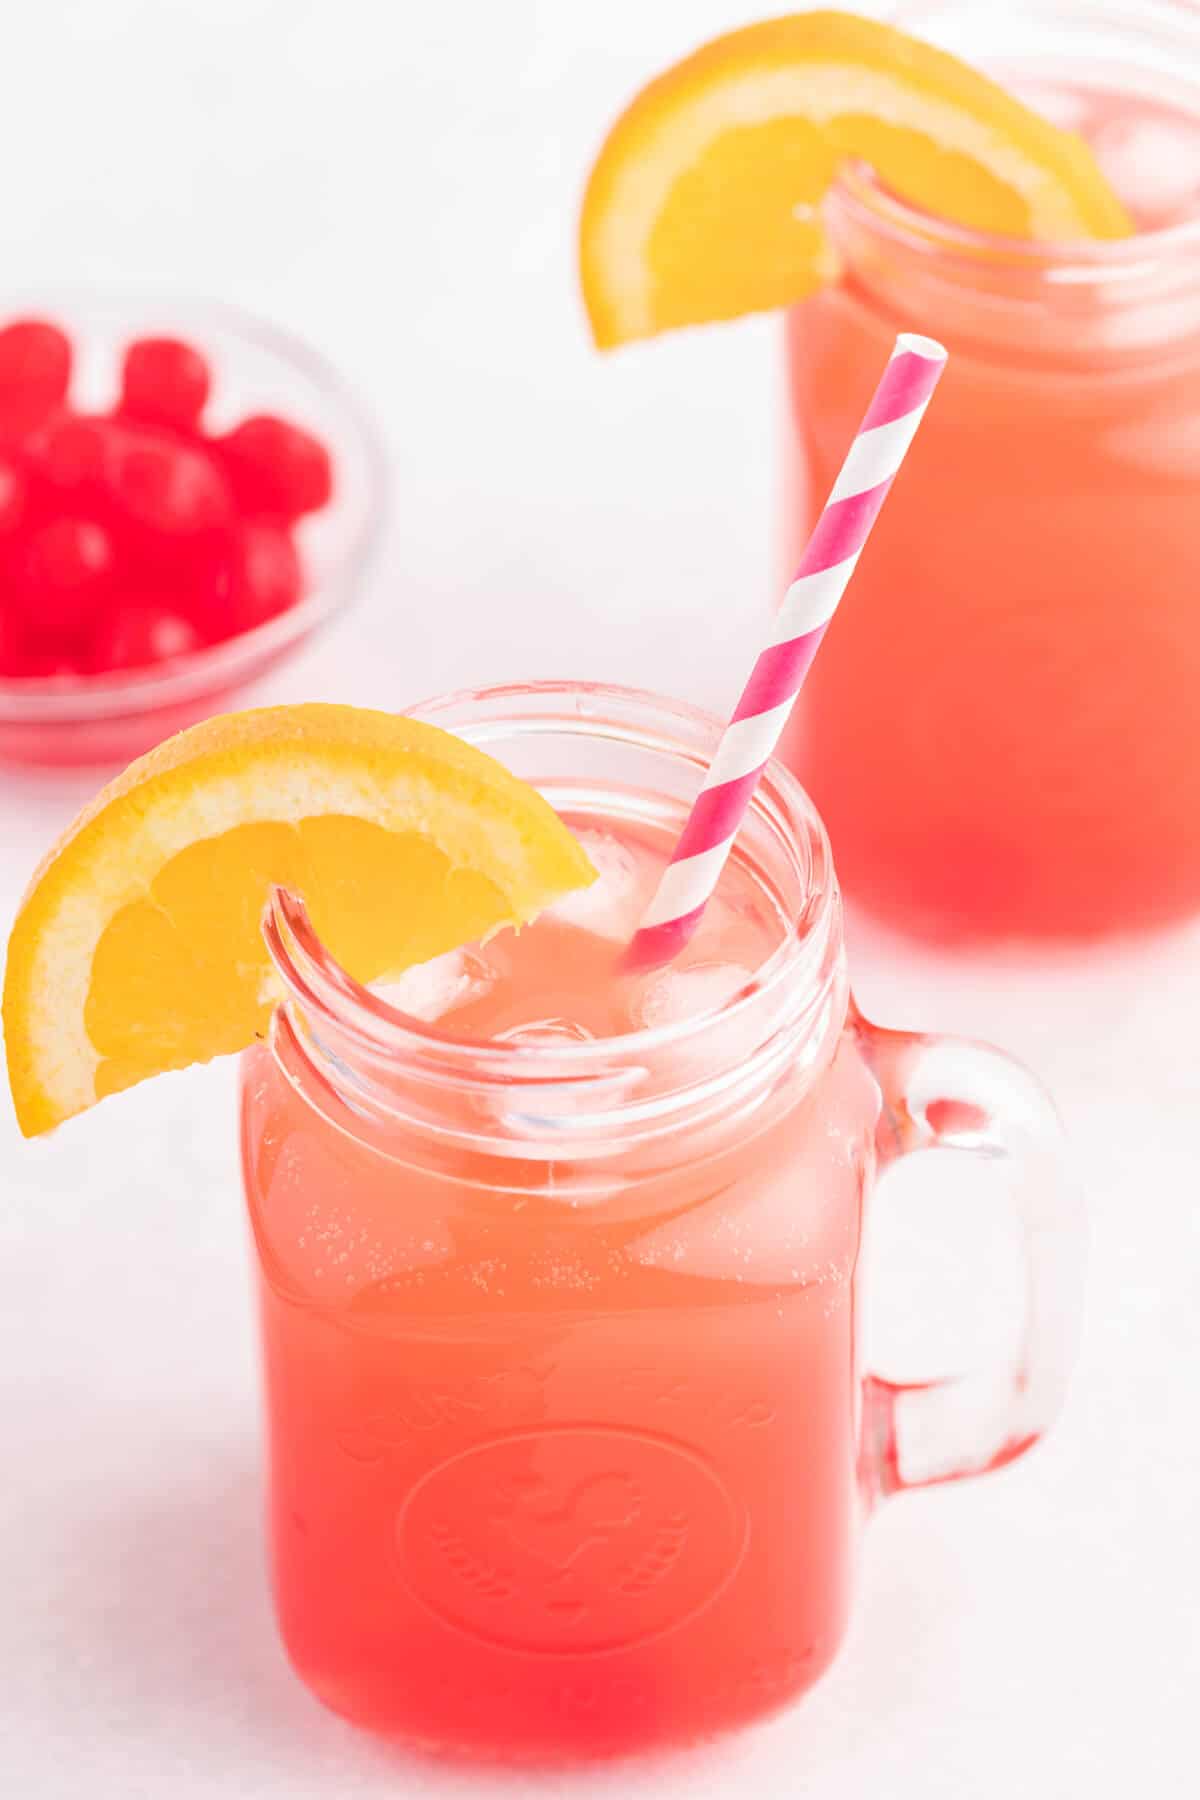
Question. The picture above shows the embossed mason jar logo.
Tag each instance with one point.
(576, 1539)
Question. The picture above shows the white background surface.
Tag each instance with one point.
(399, 182)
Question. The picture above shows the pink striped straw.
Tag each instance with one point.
(749, 739)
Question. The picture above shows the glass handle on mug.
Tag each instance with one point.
(949, 1094)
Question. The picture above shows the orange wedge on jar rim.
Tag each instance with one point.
(703, 201)
(138, 946)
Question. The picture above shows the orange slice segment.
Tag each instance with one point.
(138, 946)
(702, 202)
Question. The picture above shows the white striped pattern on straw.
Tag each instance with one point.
(862, 484)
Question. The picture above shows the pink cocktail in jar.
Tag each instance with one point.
(570, 1439)
(1000, 733)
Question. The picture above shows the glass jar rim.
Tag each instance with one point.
(870, 204)
(791, 985)
(866, 202)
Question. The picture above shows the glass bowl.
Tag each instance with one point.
(257, 367)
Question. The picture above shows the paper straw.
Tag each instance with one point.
(750, 737)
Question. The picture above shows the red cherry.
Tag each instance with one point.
(164, 382)
(276, 469)
(134, 637)
(35, 372)
(65, 576)
(266, 576)
(13, 495)
(144, 484)
(166, 489)
(76, 454)
(21, 655)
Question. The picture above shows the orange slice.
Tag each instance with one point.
(138, 946)
(701, 204)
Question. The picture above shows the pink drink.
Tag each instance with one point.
(711, 1305)
(563, 975)
(569, 1442)
(1000, 729)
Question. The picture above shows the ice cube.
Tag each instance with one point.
(790, 1213)
(546, 1034)
(556, 1107)
(696, 992)
(1154, 164)
(674, 994)
(757, 1231)
(430, 990)
(1068, 108)
(794, 1225)
(1161, 441)
(614, 903)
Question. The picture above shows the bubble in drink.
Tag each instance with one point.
(762, 1238)
(325, 1249)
